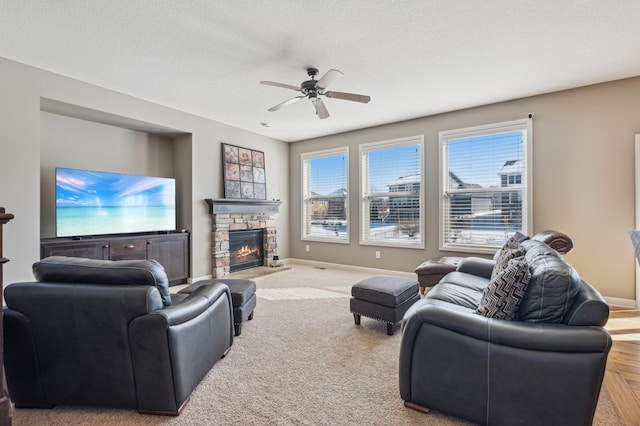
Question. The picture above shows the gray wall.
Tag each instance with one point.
(583, 180)
(196, 164)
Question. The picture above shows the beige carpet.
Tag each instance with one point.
(301, 361)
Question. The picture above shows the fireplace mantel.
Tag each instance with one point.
(227, 205)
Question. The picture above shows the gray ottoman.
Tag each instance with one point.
(383, 297)
(243, 298)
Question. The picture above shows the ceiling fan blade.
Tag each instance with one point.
(349, 97)
(321, 110)
(331, 76)
(285, 86)
(285, 103)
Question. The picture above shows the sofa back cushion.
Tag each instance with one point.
(553, 287)
(62, 269)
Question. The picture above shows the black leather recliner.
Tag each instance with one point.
(505, 372)
(109, 333)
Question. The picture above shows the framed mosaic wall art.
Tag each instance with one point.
(244, 173)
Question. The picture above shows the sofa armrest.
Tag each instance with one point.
(186, 310)
(194, 304)
(477, 266)
(21, 363)
(558, 241)
(174, 348)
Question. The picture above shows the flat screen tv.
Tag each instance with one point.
(99, 203)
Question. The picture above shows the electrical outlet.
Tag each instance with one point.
(377, 254)
(307, 248)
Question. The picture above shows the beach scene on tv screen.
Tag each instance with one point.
(94, 203)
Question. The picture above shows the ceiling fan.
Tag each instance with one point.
(314, 89)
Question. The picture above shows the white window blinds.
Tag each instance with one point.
(485, 185)
(392, 182)
(325, 195)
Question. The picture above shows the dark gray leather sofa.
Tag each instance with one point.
(109, 333)
(544, 368)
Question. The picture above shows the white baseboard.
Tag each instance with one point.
(613, 301)
(196, 279)
(621, 303)
(350, 268)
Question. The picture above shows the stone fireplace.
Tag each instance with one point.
(229, 215)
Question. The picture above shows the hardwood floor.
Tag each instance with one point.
(622, 377)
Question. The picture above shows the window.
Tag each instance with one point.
(391, 185)
(485, 185)
(325, 195)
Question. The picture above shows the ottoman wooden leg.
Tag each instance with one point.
(390, 329)
(356, 318)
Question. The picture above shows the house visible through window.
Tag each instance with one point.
(485, 186)
(324, 194)
(391, 182)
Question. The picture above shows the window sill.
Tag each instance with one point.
(417, 245)
(325, 240)
(469, 249)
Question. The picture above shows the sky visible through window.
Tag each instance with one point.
(328, 174)
(388, 164)
(478, 159)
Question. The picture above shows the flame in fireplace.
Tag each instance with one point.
(246, 251)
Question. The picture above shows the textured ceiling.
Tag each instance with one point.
(413, 57)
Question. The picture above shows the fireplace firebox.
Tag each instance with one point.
(246, 249)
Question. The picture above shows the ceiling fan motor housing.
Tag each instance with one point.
(309, 86)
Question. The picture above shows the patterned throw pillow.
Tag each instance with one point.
(510, 250)
(504, 293)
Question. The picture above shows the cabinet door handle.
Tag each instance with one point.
(129, 246)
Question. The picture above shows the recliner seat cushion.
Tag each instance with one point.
(455, 294)
(63, 269)
(459, 288)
